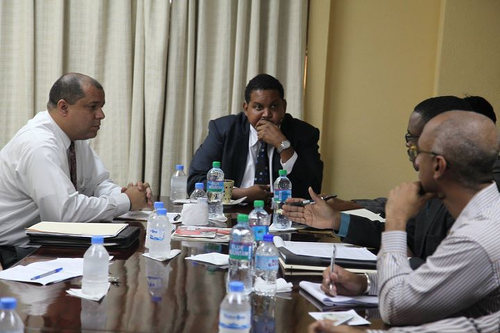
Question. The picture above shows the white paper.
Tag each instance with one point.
(234, 202)
(315, 290)
(293, 227)
(363, 212)
(71, 267)
(172, 254)
(143, 215)
(79, 293)
(354, 318)
(324, 250)
(195, 214)
(214, 258)
(76, 229)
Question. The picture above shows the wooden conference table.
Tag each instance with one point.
(186, 298)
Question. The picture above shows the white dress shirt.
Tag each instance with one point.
(460, 278)
(35, 182)
(253, 148)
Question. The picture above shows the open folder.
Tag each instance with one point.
(77, 234)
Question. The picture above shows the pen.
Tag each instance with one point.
(332, 265)
(310, 202)
(57, 270)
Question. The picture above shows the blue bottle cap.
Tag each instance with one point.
(236, 286)
(268, 238)
(179, 167)
(97, 240)
(199, 186)
(159, 204)
(8, 303)
(162, 211)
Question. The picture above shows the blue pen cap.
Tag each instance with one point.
(268, 238)
(199, 186)
(236, 286)
(8, 303)
(97, 240)
(162, 211)
(159, 204)
(179, 167)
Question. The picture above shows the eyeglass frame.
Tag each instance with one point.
(413, 152)
(410, 137)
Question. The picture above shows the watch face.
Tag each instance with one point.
(284, 145)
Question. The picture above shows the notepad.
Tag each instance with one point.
(314, 289)
(76, 229)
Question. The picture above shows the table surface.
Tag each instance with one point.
(187, 299)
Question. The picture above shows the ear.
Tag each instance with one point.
(62, 107)
(284, 104)
(245, 107)
(440, 165)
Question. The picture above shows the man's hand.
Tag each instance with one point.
(319, 215)
(404, 202)
(144, 187)
(328, 326)
(269, 132)
(343, 282)
(255, 192)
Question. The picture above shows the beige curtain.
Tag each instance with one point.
(167, 69)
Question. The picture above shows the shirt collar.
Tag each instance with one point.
(252, 138)
(59, 132)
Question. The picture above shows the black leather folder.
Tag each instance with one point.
(293, 259)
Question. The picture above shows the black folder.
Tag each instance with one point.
(293, 259)
(125, 239)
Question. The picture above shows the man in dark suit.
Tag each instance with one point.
(253, 145)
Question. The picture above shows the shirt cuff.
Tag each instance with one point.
(122, 204)
(288, 165)
(394, 241)
(345, 219)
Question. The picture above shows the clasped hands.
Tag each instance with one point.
(139, 194)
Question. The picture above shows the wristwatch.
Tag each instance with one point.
(285, 144)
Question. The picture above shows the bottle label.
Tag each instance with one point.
(240, 251)
(284, 194)
(215, 186)
(259, 231)
(235, 320)
(157, 235)
(266, 263)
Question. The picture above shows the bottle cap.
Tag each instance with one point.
(179, 167)
(236, 286)
(159, 204)
(8, 303)
(162, 211)
(216, 164)
(199, 186)
(242, 218)
(258, 203)
(268, 238)
(282, 172)
(97, 240)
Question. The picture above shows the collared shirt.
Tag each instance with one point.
(253, 148)
(35, 182)
(461, 277)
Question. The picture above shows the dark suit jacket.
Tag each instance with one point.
(227, 141)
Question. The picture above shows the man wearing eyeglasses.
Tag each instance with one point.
(454, 157)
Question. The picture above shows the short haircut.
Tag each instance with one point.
(69, 88)
(481, 105)
(431, 107)
(263, 82)
(470, 153)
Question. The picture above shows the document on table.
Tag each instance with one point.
(363, 212)
(76, 229)
(71, 267)
(314, 290)
(341, 317)
(324, 250)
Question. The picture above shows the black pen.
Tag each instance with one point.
(310, 202)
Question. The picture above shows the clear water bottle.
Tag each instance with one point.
(157, 275)
(10, 322)
(266, 267)
(151, 218)
(240, 253)
(259, 220)
(95, 268)
(178, 184)
(161, 233)
(199, 192)
(282, 191)
(215, 191)
(235, 310)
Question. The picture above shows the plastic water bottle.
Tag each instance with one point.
(159, 238)
(240, 253)
(10, 322)
(157, 275)
(95, 268)
(215, 191)
(259, 220)
(266, 267)
(152, 216)
(178, 184)
(282, 191)
(199, 192)
(235, 310)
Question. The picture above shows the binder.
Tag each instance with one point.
(289, 258)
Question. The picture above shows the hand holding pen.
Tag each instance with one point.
(333, 290)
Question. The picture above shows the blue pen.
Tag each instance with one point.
(57, 270)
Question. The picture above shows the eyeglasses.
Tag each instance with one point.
(410, 137)
(413, 152)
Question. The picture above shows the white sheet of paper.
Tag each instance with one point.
(213, 258)
(363, 212)
(71, 267)
(341, 317)
(315, 290)
(324, 250)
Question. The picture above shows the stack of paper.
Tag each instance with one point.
(76, 229)
(314, 290)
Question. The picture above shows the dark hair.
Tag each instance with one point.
(431, 107)
(69, 88)
(263, 82)
(481, 105)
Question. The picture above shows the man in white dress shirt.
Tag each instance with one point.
(454, 157)
(49, 172)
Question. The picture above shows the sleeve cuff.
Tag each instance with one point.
(122, 204)
(345, 219)
(394, 241)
